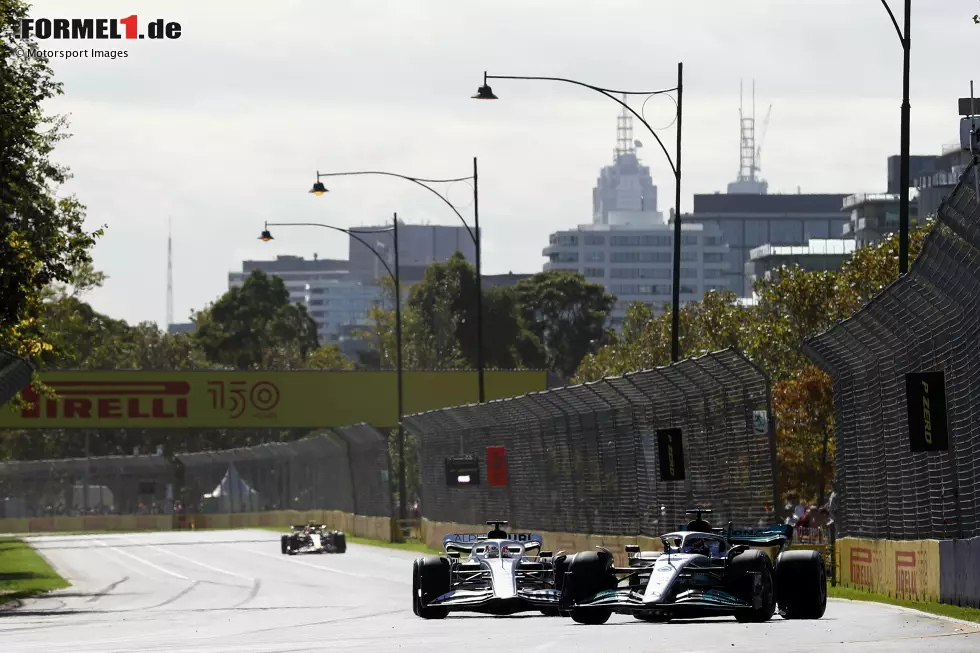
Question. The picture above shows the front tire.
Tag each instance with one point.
(430, 580)
(801, 585)
(591, 573)
(740, 577)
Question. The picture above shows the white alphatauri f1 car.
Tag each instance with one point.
(496, 573)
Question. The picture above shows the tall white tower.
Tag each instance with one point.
(170, 277)
(750, 151)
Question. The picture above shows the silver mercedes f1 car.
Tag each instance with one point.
(313, 538)
(497, 573)
(700, 572)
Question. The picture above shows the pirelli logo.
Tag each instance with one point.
(905, 573)
(109, 400)
(861, 567)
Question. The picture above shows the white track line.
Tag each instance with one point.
(192, 561)
(307, 564)
(145, 562)
(121, 563)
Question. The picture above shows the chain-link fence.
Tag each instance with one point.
(585, 459)
(15, 373)
(346, 470)
(81, 486)
(929, 320)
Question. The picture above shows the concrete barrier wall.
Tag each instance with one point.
(907, 569)
(959, 572)
(376, 528)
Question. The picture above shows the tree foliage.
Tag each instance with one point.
(566, 313)
(42, 236)
(255, 326)
(439, 323)
(793, 305)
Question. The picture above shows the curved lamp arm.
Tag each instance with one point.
(415, 180)
(345, 231)
(608, 92)
(891, 14)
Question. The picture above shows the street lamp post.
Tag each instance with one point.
(319, 189)
(904, 180)
(267, 236)
(486, 93)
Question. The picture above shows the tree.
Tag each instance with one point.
(329, 357)
(804, 409)
(566, 313)
(256, 327)
(42, 237)
(439, 324)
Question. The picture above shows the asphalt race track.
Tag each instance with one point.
(233, 591)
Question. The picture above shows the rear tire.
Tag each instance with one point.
(591, 573)
(340, 542)
(431, 580)
(740, 579)
(801, 585)
(284, 544)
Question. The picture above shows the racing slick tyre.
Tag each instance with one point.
(284, 544)
(801, 585)
(340, 542)
(591, 573)
(430, 579)
(740, 579)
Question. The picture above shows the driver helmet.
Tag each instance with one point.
(695, 545)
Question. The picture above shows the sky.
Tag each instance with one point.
(225, 127)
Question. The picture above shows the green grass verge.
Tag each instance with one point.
(23, 572)
(932, 607)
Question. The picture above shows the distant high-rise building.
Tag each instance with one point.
(628, 248)
(748, 221)
(635, 263)
(420, 245)
(624, 186)
(302, 276)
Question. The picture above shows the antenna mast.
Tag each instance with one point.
(624, 134)
(170, 275)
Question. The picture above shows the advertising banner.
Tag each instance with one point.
(218, 399)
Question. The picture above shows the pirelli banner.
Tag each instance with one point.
(217, 399)
(906, 569)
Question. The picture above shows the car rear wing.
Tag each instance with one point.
(778, 535)
(466, 541)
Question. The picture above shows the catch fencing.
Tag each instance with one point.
(344, 469)
(929, 320)
(585, 459)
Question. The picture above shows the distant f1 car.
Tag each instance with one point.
(313, 538)
(701, 572)
(495, 573)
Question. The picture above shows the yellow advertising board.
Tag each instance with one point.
(907, 569)
(216, 399)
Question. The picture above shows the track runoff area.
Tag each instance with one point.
(247, 590)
